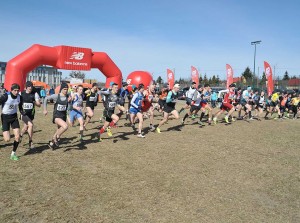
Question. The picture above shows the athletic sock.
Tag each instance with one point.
(250, 116)
(81, 133)
(15, 147)
(102, 130)
(266, 114)
(201, 116)
(112, 123)
(185, 116)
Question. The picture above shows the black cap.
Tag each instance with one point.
(193, 82)
(232, 85)
(63, 85)
(28, 84)
(124, 84)
(94, 84)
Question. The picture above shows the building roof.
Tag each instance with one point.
(294, 82)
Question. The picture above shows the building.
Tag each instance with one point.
(47, 74)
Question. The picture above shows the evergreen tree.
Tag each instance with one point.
(205, 81)
(263, 79)
(286, 76)
(159, 80)
(247, 74)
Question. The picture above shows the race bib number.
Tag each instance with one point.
(92, 98)
(28, 106)
(12, 107)
(112, 104)
(61, 107)
(150, 97)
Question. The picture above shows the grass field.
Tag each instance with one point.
(243, 172)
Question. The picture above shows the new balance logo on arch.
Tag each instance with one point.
(77, 56)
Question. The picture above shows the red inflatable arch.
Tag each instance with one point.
(61, 57)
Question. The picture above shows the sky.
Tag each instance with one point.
(154, 35)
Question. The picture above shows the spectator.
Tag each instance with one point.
(43, 94)
(2, 90)
(51, 91)
(213, 98)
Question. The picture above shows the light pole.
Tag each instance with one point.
(255, 43)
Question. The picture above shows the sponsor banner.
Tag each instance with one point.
(74, 58)
(170, 78)
(269, 77)
(229, 74)
(195, 75)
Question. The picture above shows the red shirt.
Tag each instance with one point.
(229, 96)
(147, 102)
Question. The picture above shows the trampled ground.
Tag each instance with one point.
(244, 172)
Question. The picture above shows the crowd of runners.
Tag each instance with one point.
(69, 106)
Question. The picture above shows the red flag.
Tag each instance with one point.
(170, 78)
(195, 75)
(229, 73)
(269, 77)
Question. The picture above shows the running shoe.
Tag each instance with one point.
(193, 117)
(233, 119)
(109, 133)
(182, 121)
(226, 119)
(31, 145)
(158, 130)
(14, 157)
(152, 128)
(140, 135)
(215, 120)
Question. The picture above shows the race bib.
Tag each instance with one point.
(61, 107)
(28, 106)
(112, 104)
(150, 97)
(12, 107)
(92, 98)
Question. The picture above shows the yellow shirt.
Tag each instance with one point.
(275, 97)
(295, 101)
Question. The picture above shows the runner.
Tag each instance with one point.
(27, 108)
(136, 109)
(274, 104)
(189, 97)
(295, 102)
(123, 94)
(259, 101)
(227, 104)
(169, 107)
(162, 97)
(91, 102)
(9, 117)
(204, 104)
(147, 106)
(111, 101)
(195, 107)
(61, 101)
(77, 110)
(246, 102)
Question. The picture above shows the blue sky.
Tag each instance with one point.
(155, 35)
